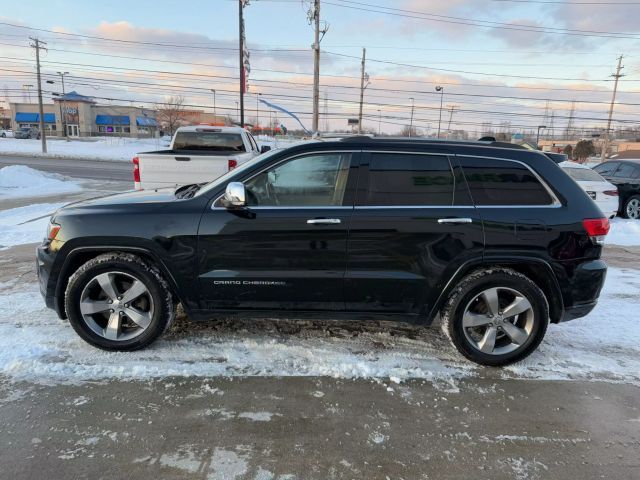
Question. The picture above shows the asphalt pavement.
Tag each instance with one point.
(73, 167)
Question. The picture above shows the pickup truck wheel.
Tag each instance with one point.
(117, 301)
(496, 317)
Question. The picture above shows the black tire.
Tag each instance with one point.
(469, 289)
(625, 213)
(157, 290)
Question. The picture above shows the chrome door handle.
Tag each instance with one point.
(455, 220)
(323, 221)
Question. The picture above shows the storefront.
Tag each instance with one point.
(113, 124)
(30, 119)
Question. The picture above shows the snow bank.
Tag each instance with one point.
(100, 148)
(24, 225)
(624, 232)
(36, 346)
(19, 181)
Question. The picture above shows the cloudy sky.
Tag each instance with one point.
(518, 61)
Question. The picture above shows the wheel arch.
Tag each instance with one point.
(80, 255)
(539, 271)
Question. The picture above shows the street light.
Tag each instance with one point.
(441, 90)
(540, 127)
(379, 121)
(411, 123)
(215, 117)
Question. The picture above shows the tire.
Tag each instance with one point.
(632, 208)
(104, 317)
(471, 334)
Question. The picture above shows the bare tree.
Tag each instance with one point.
(171, 113)
(408, 131)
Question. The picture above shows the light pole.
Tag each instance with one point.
(540, 127)
(411, 122)
(64, 106)
(379, 121)
(441, 90)
(258, 109)
(237, 110)
(215, 117)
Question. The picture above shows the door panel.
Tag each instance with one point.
(401, 254)
(277, 255)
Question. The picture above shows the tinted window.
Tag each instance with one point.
(625, 170)
(583, 174)
(606, 168)
(209, 140)
(314, 180)
(405, 179)
(502, 182)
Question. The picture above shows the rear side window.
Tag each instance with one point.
(503, 182)
(606, 168)
(397, 179)
(625, 171)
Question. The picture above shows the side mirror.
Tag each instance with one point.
(265, 148)
(235, 195)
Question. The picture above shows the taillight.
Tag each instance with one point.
(596, 228)
(136, 169)
(52, 231)
(611, 193)
(232, 163)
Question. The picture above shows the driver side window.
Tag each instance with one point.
(311, 180)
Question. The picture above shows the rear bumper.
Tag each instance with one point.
(587, 282)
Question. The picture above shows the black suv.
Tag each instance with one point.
(495, 240)
(624, 174)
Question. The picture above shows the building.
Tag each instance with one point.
(81, 116)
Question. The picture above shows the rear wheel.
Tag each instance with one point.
(117, 301)
(632, 207)
(496, 317)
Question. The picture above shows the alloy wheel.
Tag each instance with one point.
(633, 208)
(116, 306)
(498, 321)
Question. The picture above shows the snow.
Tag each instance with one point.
(624, 231)
(36, 346)
(95, 148)
(20, 181)
(24, 225)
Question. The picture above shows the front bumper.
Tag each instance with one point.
(44, 266)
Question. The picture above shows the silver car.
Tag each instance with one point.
(27, 132)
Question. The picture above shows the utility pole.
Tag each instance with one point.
(215, 117)
(411, 122)
(362, 87)
(258, 108)
(316, 66)
(441, 90)
(379, 121)
(452, 108)
(607, 138)
(64, 107)
(242, 79)
(37, 44)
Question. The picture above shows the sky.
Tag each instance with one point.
(504, 64)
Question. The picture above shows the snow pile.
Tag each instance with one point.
(19, 181)
(23, 225)
(36, 346)
(100, 148)
(624, 232)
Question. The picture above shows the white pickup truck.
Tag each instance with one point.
(197, 154)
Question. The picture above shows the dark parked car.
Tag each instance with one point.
(624, 174)
(495, 240)
(27, 132)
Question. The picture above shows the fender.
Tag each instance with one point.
(72, 254)
(551, 289)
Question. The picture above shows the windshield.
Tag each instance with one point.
(245, 166)
(209, 140)
(583, 175)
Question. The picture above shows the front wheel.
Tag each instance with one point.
(117, 301)
(632, 207)
(496, 316)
